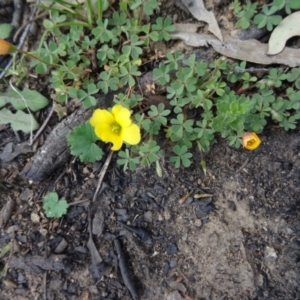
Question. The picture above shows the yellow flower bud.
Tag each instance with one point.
(251, 141)
(6, 47)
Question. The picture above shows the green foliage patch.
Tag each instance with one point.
(269, 15)
(101, 48)
(55, 207)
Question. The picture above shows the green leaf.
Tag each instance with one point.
(162, 74)
(82, 143)
(5, 30)
(149, 6)
(149, 152)
(182, 156)
(163, 27)
(293, 4)
(266, 18)
(33, 99)
(126, 160)
(53, 207)
(151, 127)
(159, 113)
(18, 121)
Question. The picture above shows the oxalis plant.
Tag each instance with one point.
(101, 49)
(268, 15)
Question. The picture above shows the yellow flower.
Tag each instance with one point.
(251, 141)
(6, 47)
(115, 127)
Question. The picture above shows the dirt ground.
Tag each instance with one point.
(233, 233)
(239, 241)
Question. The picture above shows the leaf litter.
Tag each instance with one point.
(246, 50)
(286, 29)
(198, 10)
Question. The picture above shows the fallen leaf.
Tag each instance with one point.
(286, 29)
(187, 27)
(198, 10)
(23, 99)
(10, 151)
(248, 50)
(19, 120)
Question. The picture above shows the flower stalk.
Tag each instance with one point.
(8, 48)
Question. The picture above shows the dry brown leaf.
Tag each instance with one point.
(187, 27)
(249, 50)
(286, 29)
(198, 10)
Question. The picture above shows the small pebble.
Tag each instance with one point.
(122, 214)
(174, 296)
(81, 249)
(166, 269)
(270, 253)
(184, 237)
(173, 263)
(198, 222)
(150, 195)
(20, 290)
(148, 216)
(167, 215)
(72, 289)
(61, 246)
(26, 194)
(35, 218)
(189, 200)
(172, 249)
(232, 205)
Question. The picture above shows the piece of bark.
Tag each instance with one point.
(95, 255)
(128, 281)
(36, 264)
(6, 211)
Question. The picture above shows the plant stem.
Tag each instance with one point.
(102, 173)
(99, 8)
(37, 58)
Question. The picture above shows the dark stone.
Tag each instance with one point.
(172, 249)
(166, 269)
(232, 205)
(173, 263)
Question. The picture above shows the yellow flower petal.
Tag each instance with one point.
(104, 132)
(115, 127)
(117, 143)
(101, 116)
(251, 141)
(122, 115)
(131, 134)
